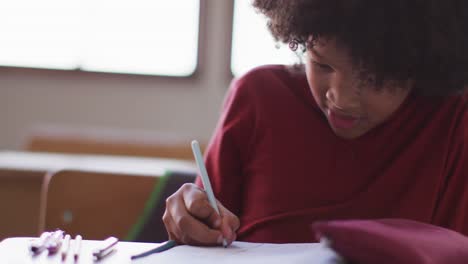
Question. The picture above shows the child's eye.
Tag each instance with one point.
(323, 66)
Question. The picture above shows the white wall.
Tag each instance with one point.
(189, 107)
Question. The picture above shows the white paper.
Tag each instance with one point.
(244, 252)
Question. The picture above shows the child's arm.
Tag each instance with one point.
(189, 218)
(229, 147)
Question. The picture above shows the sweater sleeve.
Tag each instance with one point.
(452, 209)
(227, 150)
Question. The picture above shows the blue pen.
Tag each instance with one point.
(205, 179)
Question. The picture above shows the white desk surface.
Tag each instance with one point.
(40, 161)
(16, 251)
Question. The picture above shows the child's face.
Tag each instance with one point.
(351, 106)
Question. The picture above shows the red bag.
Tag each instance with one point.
(394, 241)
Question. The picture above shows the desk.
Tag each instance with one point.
(16, 251)
(22, 175)
(46, 162)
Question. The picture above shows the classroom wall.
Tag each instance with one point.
(186, 107)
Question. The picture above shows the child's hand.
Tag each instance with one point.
(190, 219)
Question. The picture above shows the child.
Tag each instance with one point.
(374, 125)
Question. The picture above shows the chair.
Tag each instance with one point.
(97, 205)
(20, 191)
(109, 142)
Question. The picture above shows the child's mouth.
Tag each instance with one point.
(341, 121)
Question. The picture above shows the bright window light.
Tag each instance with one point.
(154, 37)
(252, 43)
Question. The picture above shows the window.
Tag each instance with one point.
(252, 43)
(122, 36)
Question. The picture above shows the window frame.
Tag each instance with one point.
(231, 72)
(78, 72)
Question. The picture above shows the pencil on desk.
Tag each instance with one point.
(77, 247)
(107, 248)
(54, 242)
(205, 179)
(65, 246)
(39, 244)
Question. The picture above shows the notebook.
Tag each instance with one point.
(245, 252)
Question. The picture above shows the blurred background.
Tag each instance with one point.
(100, 99)
(145, 68)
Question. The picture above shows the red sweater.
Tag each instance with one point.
(275, 162)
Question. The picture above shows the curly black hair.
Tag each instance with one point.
(425, 41)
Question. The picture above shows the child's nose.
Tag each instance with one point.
(343, 98)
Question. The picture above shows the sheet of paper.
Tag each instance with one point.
(244, 252)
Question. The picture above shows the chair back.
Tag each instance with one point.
(95, 205)
(20, 192)
(108, 142)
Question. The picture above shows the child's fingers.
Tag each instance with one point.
(185, 228)
(173, 231)
(198, 206)
(230, 224)
(192, 232)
